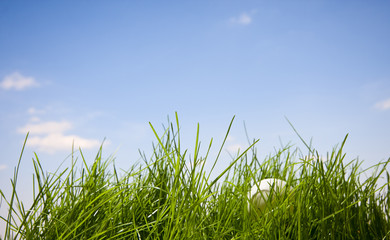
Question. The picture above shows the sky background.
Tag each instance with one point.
(85, 71)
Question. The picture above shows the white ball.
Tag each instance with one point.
(260, 192)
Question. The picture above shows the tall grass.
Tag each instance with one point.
(172, 195)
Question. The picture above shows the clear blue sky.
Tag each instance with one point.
(89, 70)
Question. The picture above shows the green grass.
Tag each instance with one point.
(171, 195)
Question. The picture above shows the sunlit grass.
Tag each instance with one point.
(172, 195)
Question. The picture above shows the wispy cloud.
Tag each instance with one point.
(55, 142)
(3, 167)
(50, 137)
(46, 127)
(233, 146)
(243, 19)
(33, 110)
(383, 105)
(16, 81)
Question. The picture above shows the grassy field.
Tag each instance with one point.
(172, 195)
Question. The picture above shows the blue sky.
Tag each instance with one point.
(89, 70)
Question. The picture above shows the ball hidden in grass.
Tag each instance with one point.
(267, 194)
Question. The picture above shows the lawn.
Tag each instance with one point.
(173, 195)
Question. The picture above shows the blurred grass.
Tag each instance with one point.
(173, 196)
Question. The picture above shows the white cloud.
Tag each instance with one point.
(234, 148)
(35, 119)
(383, 105)
(33, 111)
(230, 138)
(54, 142)
(46, 127)
(50, 137)
(3, 167)
(18, 82)
(243, 19)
